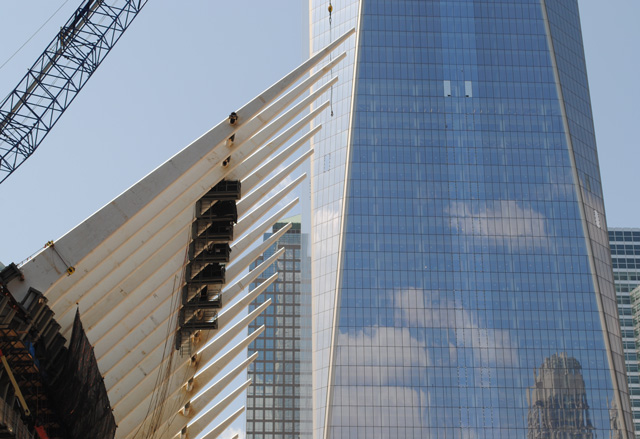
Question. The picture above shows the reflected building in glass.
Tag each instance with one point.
(279, 399)
(558, 405)
(459, 231)
(625, 257)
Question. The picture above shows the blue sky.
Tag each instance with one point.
(183, 66)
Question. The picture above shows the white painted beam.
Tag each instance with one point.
(281, 122)
(234, 310)
(120, 291)
(129, 256)
(281, 104)
(259, 155)
(135, 324)
(252, 217)
(127, 426)
(86, 290)
(258, 175)
(135, 402)
(207, 375)
(90, 296)
(242, 263)
(267, 187)
(150, 332)
(196, 415)
(45, 269)
(197, 384)
(95, 300)
(255, 233)
(227, 297)
(232, 291)
(122, 368)
(220, 428)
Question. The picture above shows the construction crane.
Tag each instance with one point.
(30, 111)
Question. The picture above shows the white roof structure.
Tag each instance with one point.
(127, 263)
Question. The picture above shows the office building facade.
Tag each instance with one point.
(278, 402)
(460, 248)
(625, 258)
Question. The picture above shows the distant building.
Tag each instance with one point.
(278, 402)
(635, 307)
(625, 256)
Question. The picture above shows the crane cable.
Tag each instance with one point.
(33, 35)
(330, 9)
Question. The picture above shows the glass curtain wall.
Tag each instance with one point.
(625, 256)
(462, 283)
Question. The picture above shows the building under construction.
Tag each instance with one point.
(123, 327)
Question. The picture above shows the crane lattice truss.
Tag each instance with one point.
(52, 83)
(130, 270)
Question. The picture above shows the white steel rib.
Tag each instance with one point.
(196, 415)
(128, 346)
(134, 267)
(147, 325)
(217, 431)
(241, 264)
(182, 396)
(130, 318)
(83, 241)
(138, 362)
(132, 408)
(256, 232)
(87, 294)
(158, 247)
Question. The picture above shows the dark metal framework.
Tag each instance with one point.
(209, 251)
(52, 83)
(34, 349)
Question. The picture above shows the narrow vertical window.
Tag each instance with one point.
(587, 182)
(468, 89)
(447, 89)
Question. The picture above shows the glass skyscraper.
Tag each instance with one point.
(462, 285)
(625, 257)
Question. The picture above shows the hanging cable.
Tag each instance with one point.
(330, 8)
(70, 268)
(34, 34)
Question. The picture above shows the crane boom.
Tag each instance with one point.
(55, 79)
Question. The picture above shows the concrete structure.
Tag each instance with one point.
(163, 265)
(459, 231)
